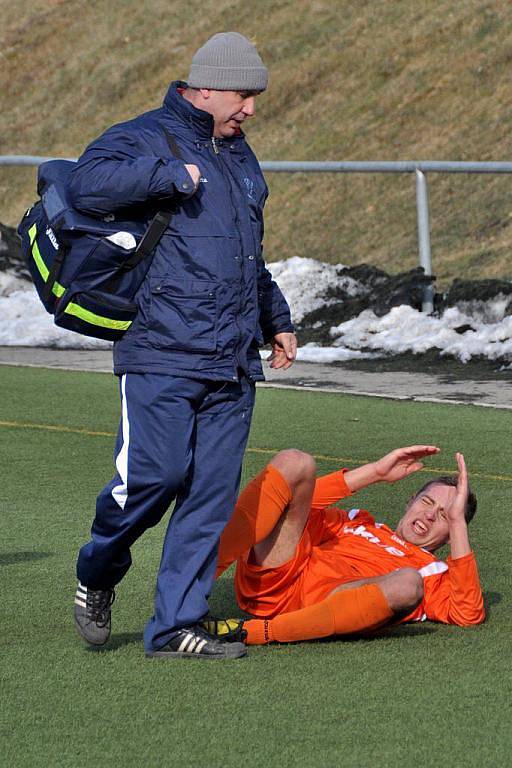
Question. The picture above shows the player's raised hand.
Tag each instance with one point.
(402, 462)
(392, 467)
(456, 512)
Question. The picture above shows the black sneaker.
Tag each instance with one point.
(196, 643)
(228, 630)
(92, 613)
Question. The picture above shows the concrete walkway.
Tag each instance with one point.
(485, 390)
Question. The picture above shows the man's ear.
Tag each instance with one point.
(205, 92)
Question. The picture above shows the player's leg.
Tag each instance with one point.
(403, 589)
(271, 512)
(299, 471)
(350, 608)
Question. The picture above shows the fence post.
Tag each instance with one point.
(424, 238)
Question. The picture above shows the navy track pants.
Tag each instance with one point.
(180, 439)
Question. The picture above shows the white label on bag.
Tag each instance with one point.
(124, 239)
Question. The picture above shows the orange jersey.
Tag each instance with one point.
(338, 546)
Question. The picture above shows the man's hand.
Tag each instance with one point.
(402, 462)
(195, 174)
(284, 350)
(394, 466)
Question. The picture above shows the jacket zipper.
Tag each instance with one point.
(242, 280)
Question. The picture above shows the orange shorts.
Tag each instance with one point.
(301, 581)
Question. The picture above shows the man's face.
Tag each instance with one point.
(425, 522)
(230, 109)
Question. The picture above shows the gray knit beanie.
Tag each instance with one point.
(228, 62)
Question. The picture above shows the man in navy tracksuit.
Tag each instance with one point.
(189, 361)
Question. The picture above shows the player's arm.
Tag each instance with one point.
(457, 525)
(394, 466)
(457, 597)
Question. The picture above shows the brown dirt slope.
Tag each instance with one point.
(350, 80)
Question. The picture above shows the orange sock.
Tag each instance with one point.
(259, 507)
(345, 612)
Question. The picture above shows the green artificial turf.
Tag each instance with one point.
(417, 695)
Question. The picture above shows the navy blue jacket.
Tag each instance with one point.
(208, 300)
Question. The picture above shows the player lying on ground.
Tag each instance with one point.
(306, 569)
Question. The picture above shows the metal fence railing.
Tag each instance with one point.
(419, 167)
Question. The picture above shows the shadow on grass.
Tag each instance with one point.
(12, 558)
(403, 631)
(116, 642)
(222, 601)
(490, 599)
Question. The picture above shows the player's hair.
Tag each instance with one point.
(452, 480)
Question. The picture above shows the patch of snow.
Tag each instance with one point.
(305, 282)
(404, 329)
(9, 283)
(492, 311)
(312, 353)
(25, 323)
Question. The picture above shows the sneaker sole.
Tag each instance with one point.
(86, 639)
(203, 656)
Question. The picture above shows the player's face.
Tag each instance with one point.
(230, 109)
(425, 522)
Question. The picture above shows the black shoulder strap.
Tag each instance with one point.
(159, 223)
(176, 151)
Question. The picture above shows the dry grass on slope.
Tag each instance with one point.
(349, 80)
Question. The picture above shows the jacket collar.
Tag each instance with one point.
(199, 121)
